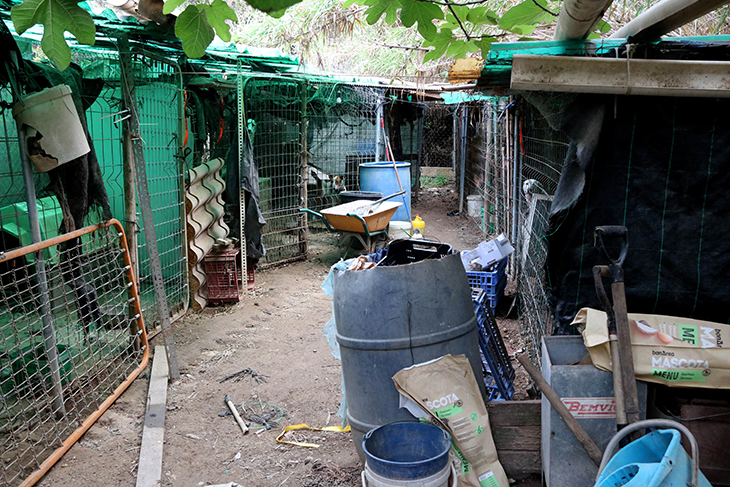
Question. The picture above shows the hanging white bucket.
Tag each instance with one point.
(54, 132)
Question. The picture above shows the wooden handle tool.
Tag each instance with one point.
(233, 409)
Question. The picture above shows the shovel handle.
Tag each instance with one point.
(612, 232)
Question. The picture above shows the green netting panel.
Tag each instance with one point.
(159, 96)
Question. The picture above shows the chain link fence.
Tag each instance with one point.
(72, 339)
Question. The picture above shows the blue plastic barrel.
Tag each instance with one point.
(407, 450)
(381, 177)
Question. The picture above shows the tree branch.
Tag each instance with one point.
(409, 48)
(543, 8)
(461, 25)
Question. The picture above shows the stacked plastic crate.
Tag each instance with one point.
(499, 374)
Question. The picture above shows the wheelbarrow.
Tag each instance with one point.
(366, 229)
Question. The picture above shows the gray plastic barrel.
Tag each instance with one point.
(389, 318)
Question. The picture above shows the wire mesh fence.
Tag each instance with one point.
(438, 135)
(160, 96)
(341, 135)
(72, 339)
(543, 151)
(487, 196)
(274, 118)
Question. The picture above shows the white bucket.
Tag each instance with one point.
(52, 113)
(474, 205)
(398, 229)
(444, 478)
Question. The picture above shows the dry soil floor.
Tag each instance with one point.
(277, 332)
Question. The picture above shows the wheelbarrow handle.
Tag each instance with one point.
(320, 216)
(656, 424)
(612, 232)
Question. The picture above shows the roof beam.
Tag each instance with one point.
(621, 76)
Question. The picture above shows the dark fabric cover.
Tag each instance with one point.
(662, 169)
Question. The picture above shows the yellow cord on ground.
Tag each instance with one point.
(292, 427)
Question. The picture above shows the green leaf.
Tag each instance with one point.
(57, 17)
(523, 29)
(277, 14)
(194, 31)
(485, 45)
(594, 35)
(350, 2)
(424, 14)
(603, 27)
(440, 42)
(376, 10)
(216, 14)
(270, 6)
(171, 5)
(525, 13)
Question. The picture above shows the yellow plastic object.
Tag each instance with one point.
(291, 427)
(376, 219)
(419, 226)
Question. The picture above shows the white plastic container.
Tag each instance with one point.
(474, 205)
(444, 478)
(52, 113)
(399, 229)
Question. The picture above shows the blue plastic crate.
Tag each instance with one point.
(499, 374)
(489, 279)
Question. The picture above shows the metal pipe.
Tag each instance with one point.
(515, 151)
(578, 18)
(666, 16)
(49, 335)
(378, 133)
(462, 156)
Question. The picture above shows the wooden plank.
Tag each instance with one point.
(516, 428)
(520, 438)
(520, 463)
(515, 413)
(149, 473)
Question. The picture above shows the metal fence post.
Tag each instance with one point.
(49, 336)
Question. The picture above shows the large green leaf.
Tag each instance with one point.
(57, 17)
(171, 5)
(423, 13)
(194, 31)
(485, 44)
(378, 8)
(216, 14)
(482, 15)
(526, 13)
(440, 42)
(272, 6)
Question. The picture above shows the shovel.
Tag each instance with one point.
(624, 378)
(367, 209)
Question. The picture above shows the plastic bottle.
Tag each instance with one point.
(419, 227)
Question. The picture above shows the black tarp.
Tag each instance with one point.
(662, 169)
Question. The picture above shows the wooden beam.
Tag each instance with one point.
(149, 472)
(517, 436)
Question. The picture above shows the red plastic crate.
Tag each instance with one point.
(224, 279)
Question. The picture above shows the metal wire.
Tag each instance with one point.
(100, 340)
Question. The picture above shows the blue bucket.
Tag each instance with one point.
(654, 460)
(407, 450)
(381, 177)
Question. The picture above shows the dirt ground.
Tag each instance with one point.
(277, 332)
